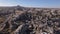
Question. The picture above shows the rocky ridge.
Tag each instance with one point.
(22, 20)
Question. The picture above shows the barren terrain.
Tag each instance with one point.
(24, 20)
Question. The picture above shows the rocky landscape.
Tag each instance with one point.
(23, 20)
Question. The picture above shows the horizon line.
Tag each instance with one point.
(27, 6)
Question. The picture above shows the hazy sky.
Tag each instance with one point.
(31, 3)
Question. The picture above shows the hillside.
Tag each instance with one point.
(24, 20)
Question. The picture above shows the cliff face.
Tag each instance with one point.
(29, 21)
